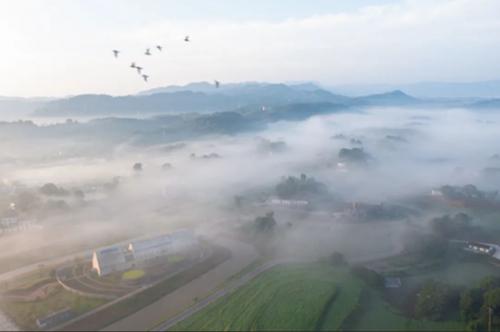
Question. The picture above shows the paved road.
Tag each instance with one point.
(184, 297)
(215, 296)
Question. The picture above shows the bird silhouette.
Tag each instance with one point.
(217, 84)
(139, 69)
(159, 47)
(186, 39)
(145, 77)
(115, 53)
(132, 65)
(148, 52)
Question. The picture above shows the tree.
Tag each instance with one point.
(434, 300)
(337, 259)
(447, 226)
(238, 201)
(470, 303)
(489, 283)
(427, 246)
(265, 224)
(354, 155)
(79, 194)
(137, 167)
(27, 201)
(299, 187)
(491, 309)
(370, 277)
(51, 189)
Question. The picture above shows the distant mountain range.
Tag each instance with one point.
(203, 97)
(481, 89)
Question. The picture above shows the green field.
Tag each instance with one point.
(292, 297)
(307, 297)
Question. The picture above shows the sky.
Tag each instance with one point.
(62, 47)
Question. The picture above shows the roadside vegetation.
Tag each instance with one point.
(25, 314)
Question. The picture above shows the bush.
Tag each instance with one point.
(370, 277)
(337, 259)
(435, 300)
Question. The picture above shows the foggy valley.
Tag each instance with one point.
(226, 166)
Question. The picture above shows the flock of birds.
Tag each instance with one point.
(139, 69)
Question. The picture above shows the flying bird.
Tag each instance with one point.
(139, 69)
(159, 47)
(116, 52)
(145, 77)
(132, 65)
(148, 52)
(217, 84)
(186, 39)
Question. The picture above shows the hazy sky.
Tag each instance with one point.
(61, 47)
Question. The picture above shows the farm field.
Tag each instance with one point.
(316, 297)
(291, 297)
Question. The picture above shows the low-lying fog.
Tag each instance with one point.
(194, 183)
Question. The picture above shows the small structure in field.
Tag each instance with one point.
(392, 282)
(287, 202)
(112, 259)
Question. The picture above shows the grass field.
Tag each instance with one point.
(346, 301)
(25, 314)
(133, 274)
(291, 297)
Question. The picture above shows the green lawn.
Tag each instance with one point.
(133, 274)
(291, 297)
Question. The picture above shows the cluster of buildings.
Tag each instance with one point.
(358, 211)
(287, 203)
(14, 224)
(481, 248)
(121, 258)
